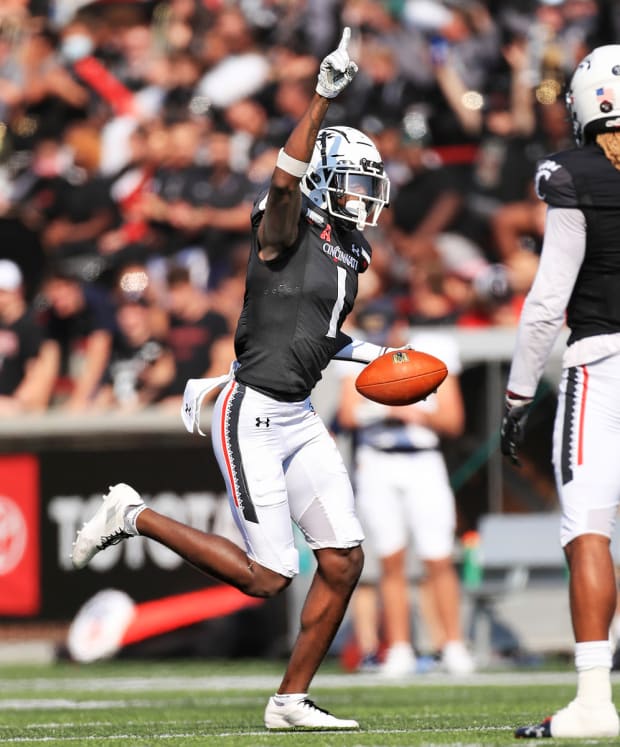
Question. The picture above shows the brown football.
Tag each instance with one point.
(401, 377)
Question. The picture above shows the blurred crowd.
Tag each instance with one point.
(135, 135)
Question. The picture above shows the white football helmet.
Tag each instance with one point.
(593, 97)
(346, 176)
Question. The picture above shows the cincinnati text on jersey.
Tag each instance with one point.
(339, 255)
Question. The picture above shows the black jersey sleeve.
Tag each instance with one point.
(554, 183)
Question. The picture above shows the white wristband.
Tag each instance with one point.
(291, 165)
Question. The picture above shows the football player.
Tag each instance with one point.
(578, 279)
(278, 460)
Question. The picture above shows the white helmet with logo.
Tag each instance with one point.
(593, 97)
(346, 176)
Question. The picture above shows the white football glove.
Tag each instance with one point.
(337, 70)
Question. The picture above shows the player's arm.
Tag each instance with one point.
(544, 308)
(542, 319)
(358, 351)
(279, 225)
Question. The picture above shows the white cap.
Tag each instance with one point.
(426, 15)
(10, 275)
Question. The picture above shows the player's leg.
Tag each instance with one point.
(321, 503)
(585, 455)
(432, 518)
(124, 514)
(326, 602)
(381, 512)
(212, 554)
(252, 469)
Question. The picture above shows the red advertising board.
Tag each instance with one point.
(20, 588)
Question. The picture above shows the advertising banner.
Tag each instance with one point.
(20, 583)
(46, 496)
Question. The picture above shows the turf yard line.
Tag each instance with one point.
(241, 734)
(68, 725)
(424, 730)
(57, 704)
(262, 682)
(112, 737)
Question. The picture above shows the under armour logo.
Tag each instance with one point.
(262, 421)
(326, 233)
(188, 408)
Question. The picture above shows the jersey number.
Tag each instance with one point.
(339, 303)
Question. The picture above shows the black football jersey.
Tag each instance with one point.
(584, 178)
(294, 306)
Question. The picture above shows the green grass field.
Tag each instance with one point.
(130, 704)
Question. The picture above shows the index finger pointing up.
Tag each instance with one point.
(346, 35)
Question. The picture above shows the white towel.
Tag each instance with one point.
(195, 392)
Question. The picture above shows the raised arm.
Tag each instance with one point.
(278, 229)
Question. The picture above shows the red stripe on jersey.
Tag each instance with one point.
(582, 415)
(229, 469)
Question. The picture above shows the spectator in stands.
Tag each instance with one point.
(382, 88)
(252, 128)
(243, 69)
(197, 206)
(199, 337)
(185, 23)
(80, 325)
(517, 229)
(504, 165)
(81, 208)
(51, 98)
(11, 72)
(430, 202)
(217, 209)
(178, 180)
(141, 365)
(129, 240)
(26, 377)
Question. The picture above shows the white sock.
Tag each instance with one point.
(593, 665)
(130, 518)
(283, 699)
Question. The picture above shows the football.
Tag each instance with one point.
(401, 377)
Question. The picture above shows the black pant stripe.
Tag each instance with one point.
(570, 404)
(232, 442)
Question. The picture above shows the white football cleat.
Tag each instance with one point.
(303, 714)
(578, 720)
(581, 720)
(108, 526)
